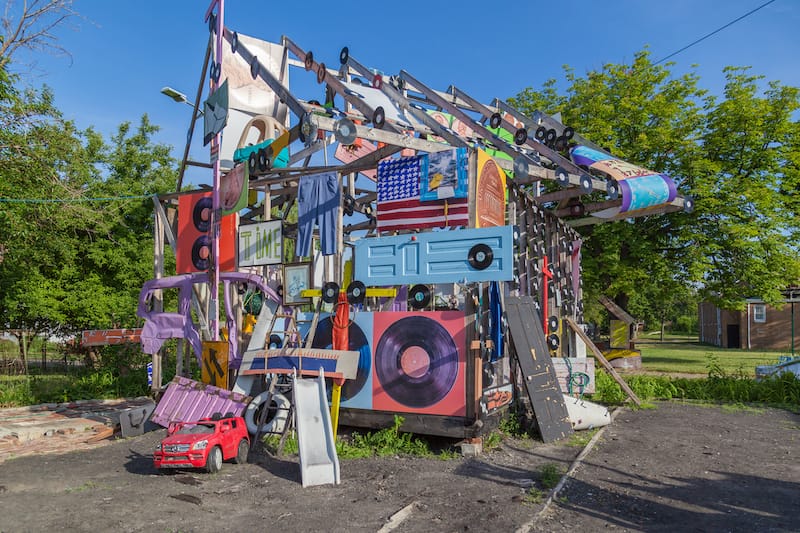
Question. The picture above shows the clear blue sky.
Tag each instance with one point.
(124, 51)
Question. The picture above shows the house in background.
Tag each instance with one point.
(759, 326)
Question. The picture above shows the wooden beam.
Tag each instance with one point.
(603, 361)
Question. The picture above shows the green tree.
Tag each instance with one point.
(737, 155)
(71, 261)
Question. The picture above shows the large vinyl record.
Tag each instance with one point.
(323, 338)
(419, 363)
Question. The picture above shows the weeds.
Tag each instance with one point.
(550, 474)
(533, 496)
(579, 439)
(387, 441)
(720, 386)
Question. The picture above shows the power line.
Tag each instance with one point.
(69, 200)
(703, 38)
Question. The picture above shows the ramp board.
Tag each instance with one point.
(539, 376)
(319, 463)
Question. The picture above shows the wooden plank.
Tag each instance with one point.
(539, 376)
(603, 361)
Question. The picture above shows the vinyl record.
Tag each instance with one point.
(419, 296)
(612, 189)
(569, 132)
(201, 214)
(541, 133)
(552, 323)
(321, 73)
(586, 183)
(553, 341)
(275, 341)
(562, 176)
(356, 292)
(416, 361)
(201, 253)
(520, 136)
(379, 117)
(521, 169)
(330, 292)
(344, 55)
(495, 120)
(480, 256)
(254, 67)
(345, 131)
(323, 338)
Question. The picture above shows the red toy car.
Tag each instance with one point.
(204, 444)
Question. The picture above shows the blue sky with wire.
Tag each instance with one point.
(123, 52)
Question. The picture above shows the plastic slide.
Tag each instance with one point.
(319, 463)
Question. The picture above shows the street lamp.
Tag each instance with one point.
(179, 97)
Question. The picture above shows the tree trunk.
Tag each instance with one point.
(23, 348)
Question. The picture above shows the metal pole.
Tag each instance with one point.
(215, 207)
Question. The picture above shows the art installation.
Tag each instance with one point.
(422, 271)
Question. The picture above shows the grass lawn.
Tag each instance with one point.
(694, 358)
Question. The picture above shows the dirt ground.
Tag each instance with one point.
(678, 467)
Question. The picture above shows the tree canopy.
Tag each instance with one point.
(737, 154)
(76, 229)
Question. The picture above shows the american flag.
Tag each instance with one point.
(399, 207)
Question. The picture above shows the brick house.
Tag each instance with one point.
(759, 326)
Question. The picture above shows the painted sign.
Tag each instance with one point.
(214, 367)
(194, 245)
(308, 361)
(490, 193)
(260, 244)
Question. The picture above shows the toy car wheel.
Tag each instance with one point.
(214, 460)
(242, 452)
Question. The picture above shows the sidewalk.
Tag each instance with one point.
(62, 427)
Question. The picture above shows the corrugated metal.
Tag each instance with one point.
(433, 257)
(186, 400)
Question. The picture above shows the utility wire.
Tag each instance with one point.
(69, 200)
(703, 38)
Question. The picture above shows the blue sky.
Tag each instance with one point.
(124, 52)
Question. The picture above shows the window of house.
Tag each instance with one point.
(759, 313)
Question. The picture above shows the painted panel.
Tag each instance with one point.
(434, 257)
(420, 364)
(260, 244)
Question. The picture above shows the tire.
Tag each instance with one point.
(214, 460)
(278, 422)
(241, 452)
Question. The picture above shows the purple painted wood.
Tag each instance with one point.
(186, 400)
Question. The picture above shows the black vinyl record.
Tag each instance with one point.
(412, 383)
(357, 342)
(201, 214)
(553, 341)
(275, 341)
(201, 253)
(480, 256)
(356, 292)
(552, 323)
(330, 292)
(419, 296)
